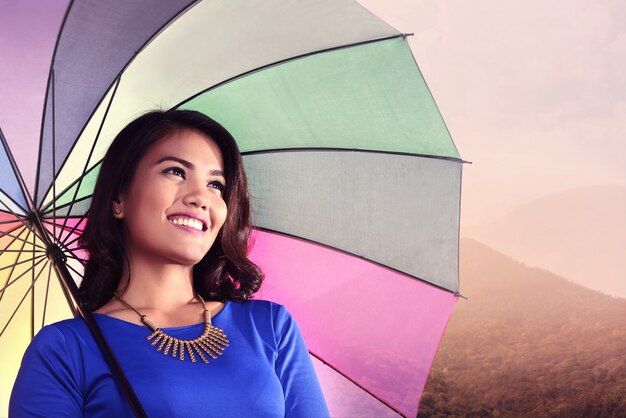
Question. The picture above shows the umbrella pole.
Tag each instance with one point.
(58, 259)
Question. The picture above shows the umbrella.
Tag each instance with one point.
(354, 177)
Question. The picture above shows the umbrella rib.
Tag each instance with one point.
(62, 227)
(8, 231)
(30, 289)
(74, 228)
(458, 237)
(21, 275)
(321, 244)
(67, 244)
(285, 60)
(22, 227)
(93, 147)
(45, 100)
(32, 293)
(11, 222)
(16, 258)
(330, 149)
(69, 252)
(16, 172)
(18, 263)
(7, 234)
(8, 209)
(74, 257)
(48, 211)
(20, 218)
(46, 208)
(435, 103)
(54, 171)
(357, 384)
(19, 251)
(45, 301)
(74, 270)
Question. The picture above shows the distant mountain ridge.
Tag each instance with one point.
(527, 343)
(579, 234)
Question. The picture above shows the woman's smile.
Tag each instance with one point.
(187, 223)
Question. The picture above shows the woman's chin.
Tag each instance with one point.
(189, 259)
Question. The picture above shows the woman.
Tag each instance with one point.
(169, 281)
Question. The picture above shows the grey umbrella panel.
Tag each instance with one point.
(400, 211)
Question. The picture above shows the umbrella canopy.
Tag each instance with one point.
(354, 177)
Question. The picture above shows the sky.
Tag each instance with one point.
(533, 92)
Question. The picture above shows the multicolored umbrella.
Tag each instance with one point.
(354, 177)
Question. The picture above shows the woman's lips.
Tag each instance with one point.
(188, 222)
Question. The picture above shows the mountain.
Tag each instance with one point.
(527, 343)
(579, 234)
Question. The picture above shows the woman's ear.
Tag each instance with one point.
(118, 209)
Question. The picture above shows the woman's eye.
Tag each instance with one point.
(177, 171)
(218, 185)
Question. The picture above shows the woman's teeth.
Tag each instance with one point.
(190, 222)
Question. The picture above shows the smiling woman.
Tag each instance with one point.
(162, 164)
(167, 237)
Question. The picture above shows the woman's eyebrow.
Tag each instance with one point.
(189, 165)
(185, 163)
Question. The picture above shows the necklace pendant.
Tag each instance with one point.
(212, 342)
(158, 338)
(170, 341)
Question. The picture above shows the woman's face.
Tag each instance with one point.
(174, 208)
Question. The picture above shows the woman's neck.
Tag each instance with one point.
(151, 285)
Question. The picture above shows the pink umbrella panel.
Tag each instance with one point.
(384, 343)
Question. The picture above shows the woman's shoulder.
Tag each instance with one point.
(64, 334)
(58, 347)
(259, 304)
(260, 308)
(267, 316)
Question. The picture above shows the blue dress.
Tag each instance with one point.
(265, 372)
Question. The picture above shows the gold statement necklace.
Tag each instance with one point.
(211, 342)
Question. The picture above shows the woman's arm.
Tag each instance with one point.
(303, 395)
(48, 382)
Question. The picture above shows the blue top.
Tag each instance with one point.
(265, 372)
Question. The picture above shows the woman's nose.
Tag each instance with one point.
(197, 196)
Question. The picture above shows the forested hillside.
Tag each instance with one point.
(527, 343)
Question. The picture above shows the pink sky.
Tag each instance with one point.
(533, 92)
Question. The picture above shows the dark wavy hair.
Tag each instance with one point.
(225, 272)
